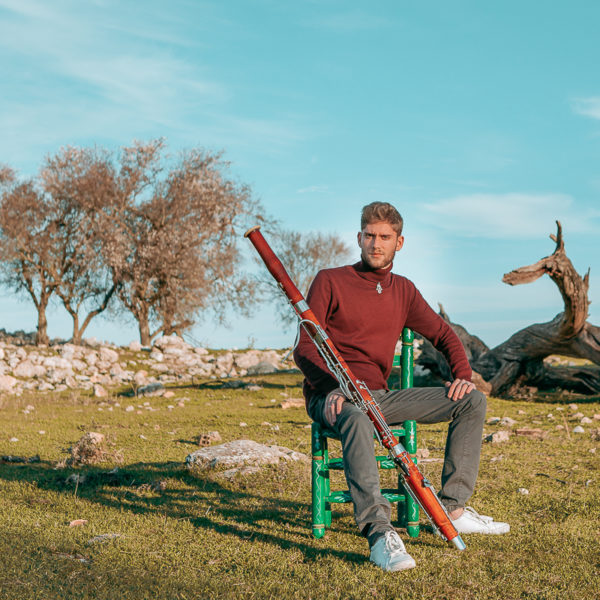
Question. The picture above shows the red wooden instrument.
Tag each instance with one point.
(357, 392)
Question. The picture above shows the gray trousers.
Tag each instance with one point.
(424, 405)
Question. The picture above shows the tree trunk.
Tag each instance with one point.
(519, 361)
(41, 338)
(144, 328)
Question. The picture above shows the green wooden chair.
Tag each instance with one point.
(322, 465)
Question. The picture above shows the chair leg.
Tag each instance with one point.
(319, 483)
(411, 508)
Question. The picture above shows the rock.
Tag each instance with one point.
(422, 453)
(577, 415)
(234, 384)
(99, 391)
(252, 387)
(507, 422)
(135, 346)
(595, 433)
(523, 491)
(152, 389)
(231, 473)
(89, 449)
(586, 421)
(205, 439)
(578, 429)
(597, 417)
(493, 421)
(140, 378)
(538, 434)
(497, 437)
(573, 406)
(7, 383)
(241, 453)
(293, 403)
(157, 355)
(262, 368)
(28, 369)
(108, 355)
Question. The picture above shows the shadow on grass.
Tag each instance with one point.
(205, 503)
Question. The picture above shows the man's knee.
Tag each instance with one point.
(477, 402)
(353, 421)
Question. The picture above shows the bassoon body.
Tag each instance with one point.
(357, 392)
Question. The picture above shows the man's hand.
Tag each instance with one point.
(333, 406)
(458, 389)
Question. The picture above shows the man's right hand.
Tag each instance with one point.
(333, 406)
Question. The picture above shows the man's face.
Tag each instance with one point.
(378, 244)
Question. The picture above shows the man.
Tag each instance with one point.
(363, 308)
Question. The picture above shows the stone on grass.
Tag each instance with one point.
(135, 346)
(206, 439)
(535, 433)
(262, 368)
(89, 449)
(99, 391)
(507, 422)
(293, 403)
(586, 421)
(7, 383)
(152, 389)
(595, 433)
(493, 421)
(497, 437)
(241, 453)
(578, 429)
(523, 491)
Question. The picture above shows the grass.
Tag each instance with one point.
(205, 536)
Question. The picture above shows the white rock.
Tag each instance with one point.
(586, 421)
(135, 346)
(28, 369)
(578, 429)
(99, 391)
(523, 491)
(497, 437)
(241, 453)
(507, 422)
(108, 355)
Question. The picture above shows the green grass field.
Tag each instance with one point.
(205, 536)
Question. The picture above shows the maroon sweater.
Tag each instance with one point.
(365, 326)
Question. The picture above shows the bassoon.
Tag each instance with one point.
(357, 392)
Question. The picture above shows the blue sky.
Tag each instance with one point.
(479, 121)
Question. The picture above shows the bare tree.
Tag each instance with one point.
(47, 242)
(170, 237)
(74, 179)
(303, 255)
(28, 232)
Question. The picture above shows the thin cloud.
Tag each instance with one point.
(515, 215)
(350, 22)
(587, 107)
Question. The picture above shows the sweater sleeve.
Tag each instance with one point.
(306, 355)
(424, 320)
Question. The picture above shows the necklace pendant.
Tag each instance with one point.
(378, 288)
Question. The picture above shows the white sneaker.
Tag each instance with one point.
(471, 522)
(389, 553)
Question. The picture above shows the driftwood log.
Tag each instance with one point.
(519, 361)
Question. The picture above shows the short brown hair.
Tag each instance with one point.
(381, 211)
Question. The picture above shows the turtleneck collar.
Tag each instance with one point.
(376, 275)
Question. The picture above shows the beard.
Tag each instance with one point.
(379, 260)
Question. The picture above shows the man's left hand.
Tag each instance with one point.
(458, 389)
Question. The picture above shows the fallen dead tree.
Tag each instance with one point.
(519, 361)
